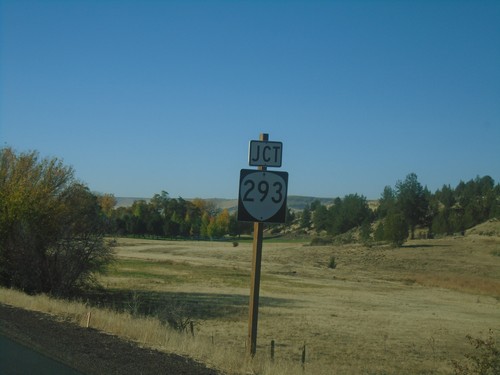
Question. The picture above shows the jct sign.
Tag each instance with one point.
(262, 196)
(265, 154)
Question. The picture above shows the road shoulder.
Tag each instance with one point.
(87, 350)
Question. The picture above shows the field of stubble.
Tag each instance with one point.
(380, 311)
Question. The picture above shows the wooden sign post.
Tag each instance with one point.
(262, 198)
(253, 317)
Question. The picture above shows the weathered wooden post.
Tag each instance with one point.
(253, 318)
(89, 315)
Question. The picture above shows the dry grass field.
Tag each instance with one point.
(382, 310)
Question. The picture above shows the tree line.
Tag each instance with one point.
(401, 209)
(408, 205)
(166, 217)
(53, 228)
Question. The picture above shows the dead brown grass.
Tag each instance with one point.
(468, 284)
(381, 311)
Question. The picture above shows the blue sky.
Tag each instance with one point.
(145, 96)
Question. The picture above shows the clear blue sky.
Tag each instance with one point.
(144, 96)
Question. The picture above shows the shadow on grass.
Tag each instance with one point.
(165, 305)
(417, 246)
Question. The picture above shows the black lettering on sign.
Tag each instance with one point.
(263, 188)
(279, 192)
(256, 158)
(246, 198)
(276, 151)
(264, 154)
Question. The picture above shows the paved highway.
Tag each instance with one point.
(17, 359)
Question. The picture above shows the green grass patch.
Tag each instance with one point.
(274, 239)
(298, 240)
(496, 252)
(179, 273)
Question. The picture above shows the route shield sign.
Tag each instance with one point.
(262, 196)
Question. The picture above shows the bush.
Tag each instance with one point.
(395, 228)
(485, 360)
(50, 226)
(344, 238)
(332, 263)
(321, 241)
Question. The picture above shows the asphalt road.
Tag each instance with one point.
(61, 346)
(17, 359)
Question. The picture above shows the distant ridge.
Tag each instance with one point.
(294, 202)
(128, 201)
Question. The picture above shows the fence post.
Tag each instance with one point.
(272, 350)
(88, 319)
(304, 356)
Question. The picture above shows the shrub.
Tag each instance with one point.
(395, 228)
(321, 241)
(50, 226)
(345, 238)
(177, 317)
(332, 263)
(485, 360)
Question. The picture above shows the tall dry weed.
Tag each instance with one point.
(151, 332)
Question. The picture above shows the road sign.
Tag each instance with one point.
(262, 196)
(265, 154)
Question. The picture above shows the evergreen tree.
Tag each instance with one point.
(290, 217)
(320, 218)
(305, 219)
(395, 228)
(387, 202)
(348, 213)
(412, 200)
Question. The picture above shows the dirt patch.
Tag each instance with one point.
(88, 350)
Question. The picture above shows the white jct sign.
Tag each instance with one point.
(262, 196)
(265, 154)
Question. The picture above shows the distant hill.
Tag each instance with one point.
(295, 202)
(489, 228)
(128, 201)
